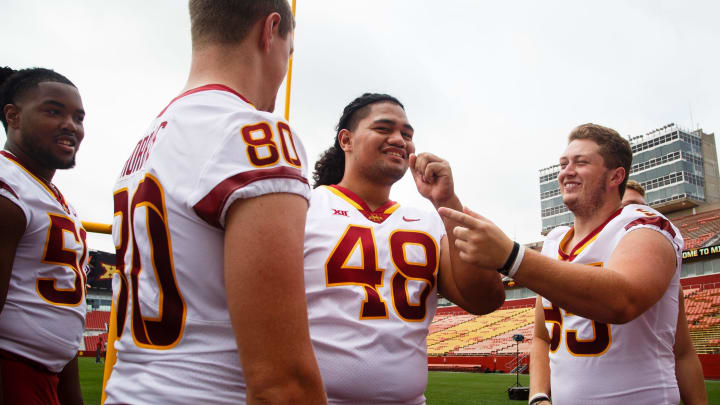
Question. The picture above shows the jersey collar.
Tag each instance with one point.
(580, 246)
(49, 187)
(206, 87)
(377, 216)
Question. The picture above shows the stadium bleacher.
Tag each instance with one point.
(96, 323)
(702, 308)
(462, 334)
(471, 334)
(97, 320)
(699, 229)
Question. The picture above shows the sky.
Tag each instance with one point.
(493, 87)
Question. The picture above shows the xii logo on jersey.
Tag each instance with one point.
(343, 213)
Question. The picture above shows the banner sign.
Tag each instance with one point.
(703, 251)
(102, 268)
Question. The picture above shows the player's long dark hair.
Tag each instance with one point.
(330, 168)
(14, 83)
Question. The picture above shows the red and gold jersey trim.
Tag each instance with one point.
(52, 190)
(210, 207)
(206, 87)
(378, 216)
(657, 221)
(7, 188)
(585, 242)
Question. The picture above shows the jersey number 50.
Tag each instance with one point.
(165, 330)
(56, 253)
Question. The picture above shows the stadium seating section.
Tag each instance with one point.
(698, 229)
(95, 329)
(703, 313)
(97, 320)
(461, 334)
(471, 335)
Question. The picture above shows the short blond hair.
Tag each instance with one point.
(634, 185)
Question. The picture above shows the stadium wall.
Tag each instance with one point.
(706, 281)
(473, 363)
(711, 365)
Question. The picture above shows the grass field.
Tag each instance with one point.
(444, 388)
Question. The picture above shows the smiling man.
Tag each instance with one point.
(607, 309)
(373, 267)
(42, 243)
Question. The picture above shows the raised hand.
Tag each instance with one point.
(479, 241)
(433, 178)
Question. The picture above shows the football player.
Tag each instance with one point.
(42, 243)
(373, 267)
(209, 221)
(634, 194)
(607, 307)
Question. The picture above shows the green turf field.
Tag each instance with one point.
(444, 388)
(91, 375)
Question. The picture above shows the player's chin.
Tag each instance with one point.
(66, 163)
(570, 202)
(393, 174)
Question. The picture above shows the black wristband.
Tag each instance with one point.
(505, 270)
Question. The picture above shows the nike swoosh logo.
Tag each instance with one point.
(410, 219)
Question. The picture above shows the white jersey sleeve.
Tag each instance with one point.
(648, 218)
(253, 154)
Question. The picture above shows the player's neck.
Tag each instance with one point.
(584, 224)
(37, 169)
(231, 66)
(374, 195)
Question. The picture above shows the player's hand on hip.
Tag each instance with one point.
(433, 177)
(479, 241)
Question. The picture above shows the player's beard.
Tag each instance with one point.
(45, 157)
(385, 175)
(587, 205)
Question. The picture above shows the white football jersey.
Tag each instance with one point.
(597, 363)
(208, 148)
(371, 285)
(44, 314)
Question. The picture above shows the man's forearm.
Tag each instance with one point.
(539, 367)
(605, 296)
(691, 381)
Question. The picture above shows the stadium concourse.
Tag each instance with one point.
(463, 342)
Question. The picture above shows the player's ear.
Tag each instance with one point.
(12, 115)
(270, 31)
(344, 138)
(618, 175)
